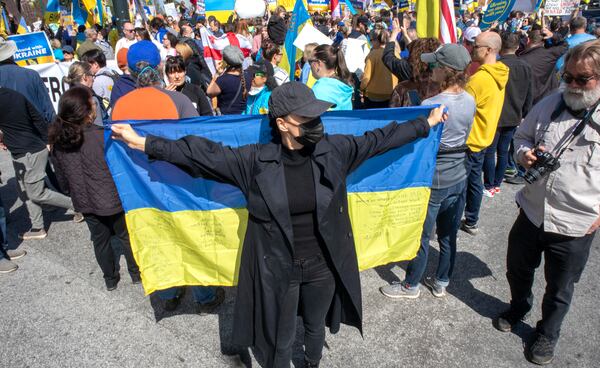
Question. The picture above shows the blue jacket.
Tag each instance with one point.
(29, 83)
(335, 91)
(122, 86)
(259, 103)
(573, 41)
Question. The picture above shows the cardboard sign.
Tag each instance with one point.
(310, 34)
(560, 7)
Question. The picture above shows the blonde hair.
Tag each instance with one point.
(55, 43)
(309, 48)
(184, 50)
(77, 71)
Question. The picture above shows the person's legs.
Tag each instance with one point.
(504, 139)
(523, 256)
(564, 261)
(316, 292)
(35, 185)
(203, 294)
(100, 233)
(448, 221)
(474, 187)
(416, 267)
(21, 166)
(286, 331)
(489, 164)
(119, 229)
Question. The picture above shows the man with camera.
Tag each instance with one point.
(559, 144)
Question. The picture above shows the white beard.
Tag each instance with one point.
(580, 99)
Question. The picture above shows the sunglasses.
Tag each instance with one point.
(581, 81)
(259, 74)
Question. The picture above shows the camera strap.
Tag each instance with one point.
(578, 129)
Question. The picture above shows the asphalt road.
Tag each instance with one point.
(56, 312)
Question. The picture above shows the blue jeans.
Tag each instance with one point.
(445, 210)
(474, 186)
(493, 168)
(3, 234)
(202, 294)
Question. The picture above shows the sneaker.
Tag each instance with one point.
(541, 351)
(436, 289)
(136, 278)
(489, 193)
(172, 304)
(469, 229)
(16, 253)
(507, 320)
(34, 234)
(78, 217)
(7, 266)
(497, 190)
(204, 308)
(517, 180)
(397, 290)
(510, 172)
(112, 285)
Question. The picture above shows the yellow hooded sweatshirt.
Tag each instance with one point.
(487, 88)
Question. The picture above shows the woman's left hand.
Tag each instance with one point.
(437, 115)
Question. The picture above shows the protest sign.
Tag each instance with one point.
(355, 52)
(560, 7)
(497, 11)
(310, 34)
(318, 5)
(32, 48)
(171, 10)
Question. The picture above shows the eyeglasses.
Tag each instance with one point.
(580, 81)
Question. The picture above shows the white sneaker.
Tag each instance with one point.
(489, 193)
(7, 266)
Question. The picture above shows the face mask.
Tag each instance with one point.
(311, 132)
(255, 90)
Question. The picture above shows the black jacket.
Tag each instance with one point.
(198, 72)
(25, 129)
(276, 29)
(518, 95)
(543, 61)
(198, 98)
(399, 67)
(267, 252)
(85, 173)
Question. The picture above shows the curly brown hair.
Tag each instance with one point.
(420, 70)
(453, 77)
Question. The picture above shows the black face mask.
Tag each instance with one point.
(311, 132)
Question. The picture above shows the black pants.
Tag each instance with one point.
(565, 258)
(102, 229)
(370, 104)
(311, 288)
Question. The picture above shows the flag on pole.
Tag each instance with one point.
(435, 18)
(52, 14)
(220, 9)
(299, 17)
(22, 29)
(4, 25)
(101, 12)
(84, 12)
(213, 46)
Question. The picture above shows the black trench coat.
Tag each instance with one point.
(267, 252)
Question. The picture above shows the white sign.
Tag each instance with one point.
(171, 10)
(560, 7)
(310, 34)
(52, 75)
(355, 52)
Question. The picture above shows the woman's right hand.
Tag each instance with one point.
(126, 134)
(437, 116)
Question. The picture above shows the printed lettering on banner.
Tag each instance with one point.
(560, 7)
(32, 48)
(497, 11)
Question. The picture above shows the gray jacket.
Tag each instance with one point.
(567, 201)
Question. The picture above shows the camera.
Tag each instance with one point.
(545, 164)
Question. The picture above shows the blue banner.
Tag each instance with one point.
(497, 11)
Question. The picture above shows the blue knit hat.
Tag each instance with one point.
(143, 51)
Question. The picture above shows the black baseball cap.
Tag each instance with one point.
(296, 98)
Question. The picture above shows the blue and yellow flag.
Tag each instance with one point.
(4, 25)
(52, 13)
(220, 9)
(299, 17)
(84, 12)
(188, 231)
(101, 12)
(22, 28)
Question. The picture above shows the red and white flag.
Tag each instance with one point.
(335, 8)
(213, 47)
(447, 22)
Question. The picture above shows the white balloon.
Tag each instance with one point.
(246, 9)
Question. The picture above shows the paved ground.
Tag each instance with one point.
(55, 311)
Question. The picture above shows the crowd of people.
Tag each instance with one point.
(515, 99)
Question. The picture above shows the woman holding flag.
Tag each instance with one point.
(298, 255)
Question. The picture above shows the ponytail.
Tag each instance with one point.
(333, 58)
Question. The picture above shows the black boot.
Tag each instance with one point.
(308, 364)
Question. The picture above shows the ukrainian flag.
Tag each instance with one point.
(220, 9)
(52, 14)
(22, 28)
(188, 231)
(83, 12)
(4, 26)
(299, 17)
